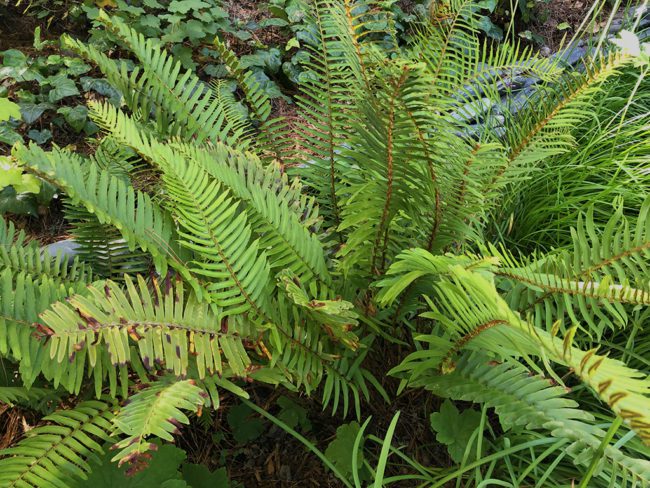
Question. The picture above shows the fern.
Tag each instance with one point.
(19, 255)
(95, 331)
(229, 254)
(280, 214)
(156, 411)
(272, 132)
(111, 200)
(183, 105)
(474, 316)
(50, 454)
(598, 281)
(522, 401)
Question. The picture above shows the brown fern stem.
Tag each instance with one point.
(389, 176)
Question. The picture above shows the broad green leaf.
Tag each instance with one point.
(199, 476)
(454, 429)
(246, 426)
(8, 109)
(163, 466)
(184, 6)
(340, 450)
(62, 87)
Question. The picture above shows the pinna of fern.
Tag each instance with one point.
(233, 273)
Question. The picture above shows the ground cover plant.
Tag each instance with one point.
(458, 282)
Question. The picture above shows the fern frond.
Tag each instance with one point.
(155, 411)
(273, 132)
(543, 129)
(335, 79)
(141, 222)
(218, 232)
(167, 329)
(474, 316)
(22, 299)
(413, 264)
(281, 215)
(606, 270)
(12, 395)
(19, 255)
(533, 403)
(103, 247)
(392, 176)
(183, 105)
(50, 455)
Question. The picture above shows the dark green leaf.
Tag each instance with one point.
(198, 476)
(245, 425)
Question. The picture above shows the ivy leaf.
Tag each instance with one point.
(454, 429)
(270, 59)
(340, 449)
(62, 87)
(75, 66)
(293, 42)
(13, 58)
(273, 22)
(76, 117)
(40, 137)
(8, 109)
(295, 11)
(17, 203)
(31, 112)
(184, 6)
(8, 135)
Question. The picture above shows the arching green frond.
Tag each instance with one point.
(609, 161)
(273, 132)
(298, 348)
(20, 394)
(281, 216)
(184, 106)
(167, 329)
(335, 80)
(155, 411)
(141, 222)
(534, 403)
(22, 299)
(598, 281)
(392, 175)
(474, 316)
(449, 46)
(413, 264)
(102, 246)
(543, 128)
(464, 69)
(216, 229)
(22, 256)
(52, 454)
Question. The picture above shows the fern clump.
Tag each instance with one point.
(396, 220)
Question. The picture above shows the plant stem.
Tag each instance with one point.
(600, 452)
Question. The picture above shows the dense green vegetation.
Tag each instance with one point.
(410, 252)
